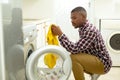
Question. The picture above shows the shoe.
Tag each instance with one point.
(95, 76)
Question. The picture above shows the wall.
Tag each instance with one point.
(37, 9)
(58, 11)
(105, 9)
(2, 61)
(62, 16)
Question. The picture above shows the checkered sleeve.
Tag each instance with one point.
(84, 42)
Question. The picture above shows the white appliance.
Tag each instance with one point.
(37, 70)
(16, 40)
(30, 38)
(34, 59)
(110, 30)
(12, 52)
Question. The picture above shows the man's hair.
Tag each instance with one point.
(80, 10)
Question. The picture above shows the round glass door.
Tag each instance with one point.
(49, 63)
(114, 42)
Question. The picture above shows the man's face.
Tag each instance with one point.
(76, 19)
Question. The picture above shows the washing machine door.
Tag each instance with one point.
(37, 70)
(114, 42)
(113, 45)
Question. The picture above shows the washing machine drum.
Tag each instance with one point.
(37, 70)
(114, 41)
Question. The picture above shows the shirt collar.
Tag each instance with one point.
(84, 25)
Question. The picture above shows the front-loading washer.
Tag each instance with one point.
(30, 36)
(37, 70)
(110, 30)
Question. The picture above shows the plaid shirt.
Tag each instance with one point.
(90, 42)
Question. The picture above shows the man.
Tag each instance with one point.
(89, 54)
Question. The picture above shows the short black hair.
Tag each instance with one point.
(81, 10)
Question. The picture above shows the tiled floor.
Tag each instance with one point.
(114, 74)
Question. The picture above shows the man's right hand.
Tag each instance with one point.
(56, 30)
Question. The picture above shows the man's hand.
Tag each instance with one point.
(56, 30)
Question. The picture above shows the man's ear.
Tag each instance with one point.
(83, 18)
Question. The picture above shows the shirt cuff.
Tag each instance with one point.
(60, 37)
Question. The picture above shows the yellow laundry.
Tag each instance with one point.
(51, 58)
(51, 39)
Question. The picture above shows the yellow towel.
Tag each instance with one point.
(51, 58)
(51, 39)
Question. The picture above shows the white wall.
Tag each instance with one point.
(38, 9)
(58, 11)
(106, 9)
(2, 53)
(62, 15)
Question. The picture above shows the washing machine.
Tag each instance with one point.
(110, 30)
(30, 36)
(17, 41)
(37, 70)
